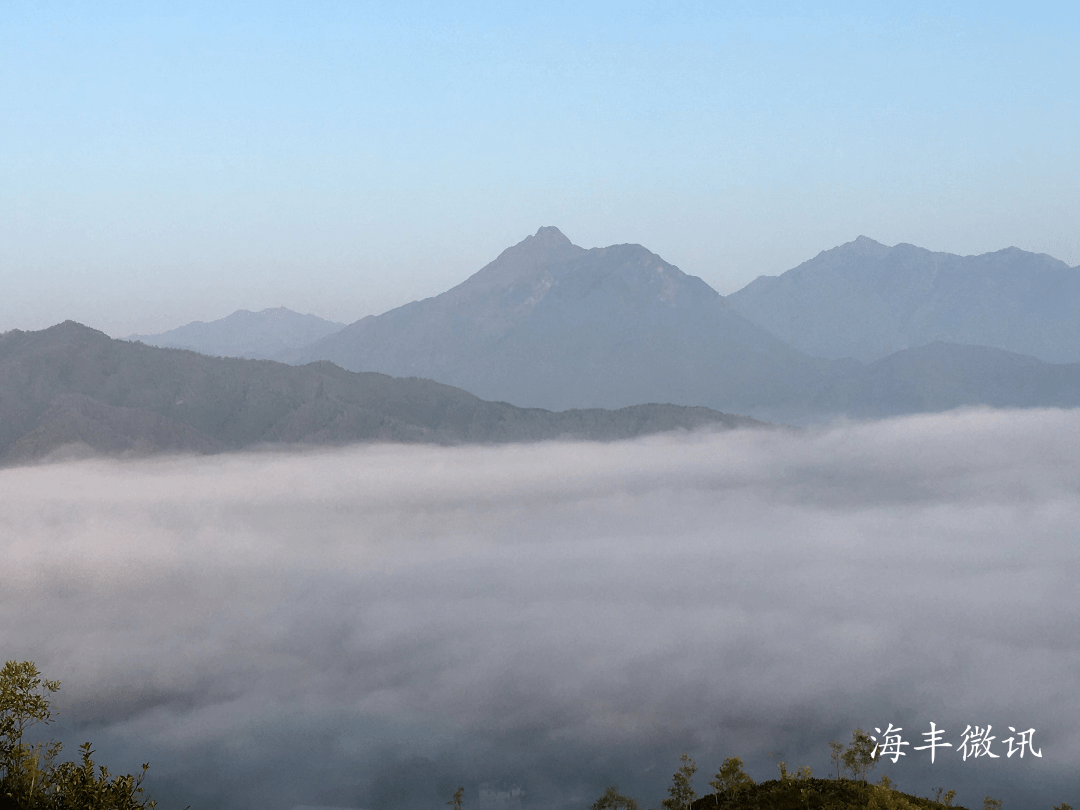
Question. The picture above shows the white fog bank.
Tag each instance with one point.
(372, 627)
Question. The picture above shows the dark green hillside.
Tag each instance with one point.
(734, 789)
(827, 794)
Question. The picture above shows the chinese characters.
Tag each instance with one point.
(976, 742)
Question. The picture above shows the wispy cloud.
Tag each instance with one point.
(374, 626)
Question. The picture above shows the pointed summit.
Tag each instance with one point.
(865, 243)
(524, 262)
(550, 235)
(548, 241)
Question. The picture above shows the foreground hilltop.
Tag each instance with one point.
(70, 386)
(827, 794)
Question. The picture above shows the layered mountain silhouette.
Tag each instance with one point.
(552, 325)
(867, 301)
(549, 324)
(260, 335)
(73, 389)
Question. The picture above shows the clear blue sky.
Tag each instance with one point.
(161, 163)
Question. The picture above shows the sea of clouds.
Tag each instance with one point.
(373, 626)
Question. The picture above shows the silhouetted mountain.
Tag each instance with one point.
(549, 324)
(74, 387)
(866, 300)
(260, 335)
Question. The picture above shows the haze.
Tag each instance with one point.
(371, 627)
(166, 164)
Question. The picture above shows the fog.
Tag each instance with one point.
(372, 627)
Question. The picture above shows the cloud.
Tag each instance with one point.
(376, 625)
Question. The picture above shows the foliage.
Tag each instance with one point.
(782, 767)
(799, 790)
(731, 779)
(882, 797)
(29, 777)
(860, 758)
(24, 702)
(817, 794)
(836, 751)
(457, 799)
(681, 794)
(613, 800)
(947, 798)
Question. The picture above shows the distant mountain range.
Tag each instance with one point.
(862, 330)
(259, 335)
(71, 389)
(866, 300)
(862, 300)
(549, 324)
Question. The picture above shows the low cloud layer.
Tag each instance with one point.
(372, 627)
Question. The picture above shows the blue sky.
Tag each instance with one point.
(163, 163)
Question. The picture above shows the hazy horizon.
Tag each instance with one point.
(166, 165)
(244, 309)
(373, 626)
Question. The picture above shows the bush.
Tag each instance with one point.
(30, 779)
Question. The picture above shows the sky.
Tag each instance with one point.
(164, 163)
(374, 626)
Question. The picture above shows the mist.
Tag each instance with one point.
(371, 627)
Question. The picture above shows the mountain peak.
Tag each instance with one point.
(523, 261)
(861, 247)
(866, 242)
(549, 234)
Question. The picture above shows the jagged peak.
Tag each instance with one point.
(547, 240)
(866, 242)
(523, 260)
(551, 235)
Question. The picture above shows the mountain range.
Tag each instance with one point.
(866, 300)
(71, 389)
(862, 300)
(553, 325)
(569, 336)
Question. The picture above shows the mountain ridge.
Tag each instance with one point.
(550, 324)
(867, 300)
(70, 386)
(262, 335)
